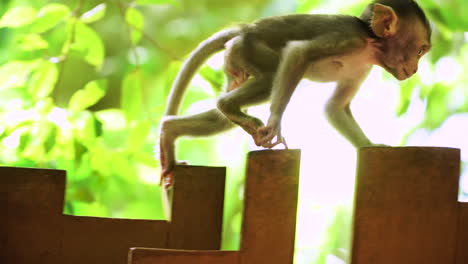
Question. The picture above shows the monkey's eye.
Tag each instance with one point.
(421, 51)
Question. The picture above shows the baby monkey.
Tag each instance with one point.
(267, 59)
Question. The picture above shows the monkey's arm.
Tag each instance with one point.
(289, 74)
(295, 59)
(338, 113)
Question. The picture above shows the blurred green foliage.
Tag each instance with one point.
(84, 84)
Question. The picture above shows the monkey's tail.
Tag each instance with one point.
(196, 59)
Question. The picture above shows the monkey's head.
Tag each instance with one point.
(402, 35)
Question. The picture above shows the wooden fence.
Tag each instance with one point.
(34, 230)
(406, 212)
(407, 209)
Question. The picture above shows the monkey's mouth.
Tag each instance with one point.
(406, 73)
(401, 74)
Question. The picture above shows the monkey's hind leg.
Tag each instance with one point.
(253, 92)
(198, 125)
(249, 66)
(235, 67)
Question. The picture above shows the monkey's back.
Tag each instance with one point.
(277, 31)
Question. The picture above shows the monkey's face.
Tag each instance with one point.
(400, 52)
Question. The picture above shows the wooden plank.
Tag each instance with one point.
(269, 219)
(197, 199)
(34, 230)
(270, 206)
(31, 201)
(107, 240)
(405, 208)
(462, 249)
(162, 256)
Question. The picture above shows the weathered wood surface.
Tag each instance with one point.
(270, 207)
(34, 230)
(406, 208)
(31, 204)
(105, 240)
(191, 213)
(268, 228)
(462, 249)
(162, 256)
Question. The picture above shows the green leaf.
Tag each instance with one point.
(89, 43)
(15, 73)
(131, 99)
(33, 42)
(138, 135)
(135, 20)
(101, 160)
(445, 45)
(49, 16)
(88, 96)
(112, 119)
(436, 108)
(18, 16)
(94, 14)
(406, 90)
(214, 77)
(155, 2)
(43, 80)
(87, 128)
(146, 159)
(306, 5)
(122, 166)
(81, 194)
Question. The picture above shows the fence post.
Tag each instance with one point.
(194, 207)
(270, 207)
(462, 249)
(269, 220)
(31, 204)
(406, 208)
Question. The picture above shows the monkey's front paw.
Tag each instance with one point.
(167, 179)
(265, 136)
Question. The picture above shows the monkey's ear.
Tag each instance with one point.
(384, 20)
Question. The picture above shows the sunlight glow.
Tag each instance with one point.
(148, 174)
(457, 98)
(202, 106)
(15, 104)
(328, 162)
(464, 187)
(13, 140)
(425, 72)
(203, 85)
(331, 259)
(446, 70)
(138, 55)
(13, 79)
(59, 116)
(54, 60)
(216, 61)
(450, 134)
(415, 113)
(93, 11)
(18, 116)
